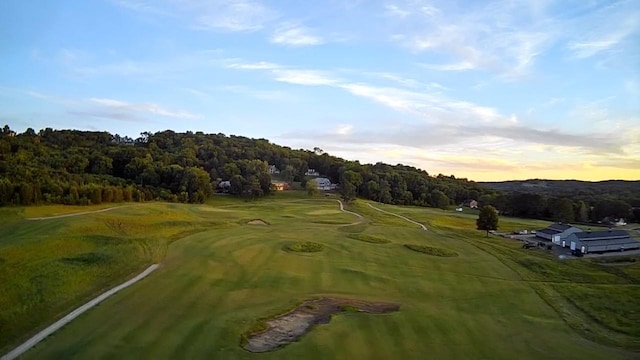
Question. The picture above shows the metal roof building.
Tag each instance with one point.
(557, 232)
(601, 241)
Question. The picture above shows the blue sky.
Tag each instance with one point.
(479, 89)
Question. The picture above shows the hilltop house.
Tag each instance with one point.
(324, 184)
(273, 170)
(557, 233)
(620, 222)
(601, 241)
(223, 186)
(471, 203)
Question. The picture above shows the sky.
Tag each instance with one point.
(484, 90)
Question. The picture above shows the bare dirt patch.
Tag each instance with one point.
(258, 222)
(272, 334)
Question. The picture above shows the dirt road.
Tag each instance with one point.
(74, 314)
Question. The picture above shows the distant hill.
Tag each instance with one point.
(567, 187)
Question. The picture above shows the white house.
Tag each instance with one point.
(324, 184)
(273, 170)
(620, 222)
(224, 186)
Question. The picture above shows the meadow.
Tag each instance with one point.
(219, 275)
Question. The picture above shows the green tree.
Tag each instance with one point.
(439, 199)
(288, 173)
(487, 219)
(312, 187)
(237, 185)
(582, 211)
(197, 184)
(562, 210)
(349, 185)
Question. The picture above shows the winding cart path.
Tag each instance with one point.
(18, 351)
(400, 216)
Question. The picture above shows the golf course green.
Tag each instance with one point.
(222, 272)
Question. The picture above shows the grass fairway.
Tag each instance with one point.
(223, 274)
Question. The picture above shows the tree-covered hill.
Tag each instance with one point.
(88, 167)
(84, 167)
(622, 189)
(568, 200)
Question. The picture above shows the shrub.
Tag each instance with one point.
(91, 258)
(304, 246)
(349, 308)
(369, 238)
(434, 251)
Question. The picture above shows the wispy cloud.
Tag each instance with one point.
(292, 34)
(141, 6)
(487, 37)
(443, 120)
(261, 65)
(304, 77)
(148, 108)
(395, 10)
(144, 69)
(461, 66)
(431, 105)
(344, 129)
(606, 30)
(217, 15)
(269, 95)
(231, 15)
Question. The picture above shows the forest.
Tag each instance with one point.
(91, 167)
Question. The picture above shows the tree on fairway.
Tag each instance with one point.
(487, 219)
(349, 183)
(312, 187)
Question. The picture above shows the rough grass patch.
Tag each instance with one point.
(304, 246)
(369, 238)
(617, 260)
(354, 229)
(324, 212)
(86, 259)
(433, 251)
(349, 308)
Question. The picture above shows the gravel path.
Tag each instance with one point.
(347, 211)
(78, 213)
(352, 213)
(74, 314)
(400, 216)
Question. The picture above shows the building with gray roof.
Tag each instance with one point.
(602, 241)
(557, 232)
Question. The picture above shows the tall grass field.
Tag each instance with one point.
(220, 272)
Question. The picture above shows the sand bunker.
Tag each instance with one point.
(258, 222)
(289, 327)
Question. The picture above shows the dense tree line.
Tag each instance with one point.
(567, 208)
(85, 167)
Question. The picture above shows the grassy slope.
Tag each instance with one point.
(48, 267)
(213, 284)
(600, 302)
